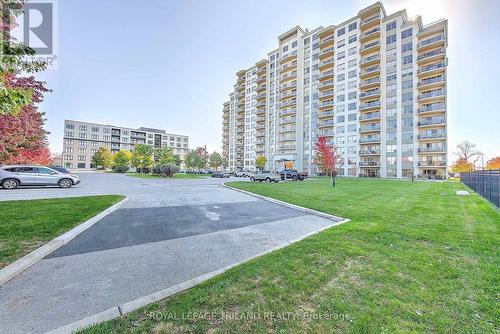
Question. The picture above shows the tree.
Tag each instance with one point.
(102, 158)
(260, 162)
(466, 152)
(121, 158)
(493, 163)
(15, 58)
(165, 155)
(142, 157)
(461, 165)
(40, 156)
(328, 158)
(194, 160)
(215, 160)
(203, 153)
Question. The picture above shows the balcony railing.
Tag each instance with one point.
(373, 139)
(287, 120)
(431, 107)
(432, 135)
(369, 163)
(373, 115)
(431, 54)
(369, 105)
(370, 32)
(288, 85)
(430, 40)
(370, 81)
(369, 128)
(371, 70)
(431, 67)
(329, 38)
(370, 19)
(287, 103)
(369, 59)
(325, 113)
(288, 76)
(432, 121)
(327, 83)
(431, 149)
(287, 129)
(288, 111)
(326, 74)
(368, 93)
(327, 50)
(368, 151)
(431, 81)
(370, 45)
(432, 163)
(285, 66)
(325, 123)
(326, 62)
(325, 133)
(433, 93)
(327, 104)
(327, 93)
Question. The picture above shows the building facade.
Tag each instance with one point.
(374, 86)
(82, 139)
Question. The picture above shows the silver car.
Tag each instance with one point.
(12, 177)
(266, 176)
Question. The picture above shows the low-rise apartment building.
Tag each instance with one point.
(82, 139)
(373, 85)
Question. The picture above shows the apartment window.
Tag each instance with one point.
(68, 157)
(407, 122)
(352, 63)
(94, 129)
(340, 88)
(351, 128)
(390, 26)
(353, 26)
(82, 158)
(340, 77)
(83, 135)
(294, 44)
(69, 142)
(351, 150)
(94, 143)
(83, 143)
(352, 85)
(82, 128)
(81, 150)
(408, 72)
(407, 47)
(351, 106)
(390, 39)
(341, 108)
(391, 77)
(406, 97)
(407, 60)
(94, 136)
(105, 130)
(353, 51)
(341, 43)
(351, 95)
(392, 124)
(70, 126)
(351, 139)
(341, 98)
(353, 39)
(340, 140)
(352, 74)
(351, 117)
(340, 32)
(341, 55)
(340, 129)
(408, 109)
(341, 67)
(68, 150)
(406, 33)
(340, 119)
(391, 136)
(285, 48)
(407, 84)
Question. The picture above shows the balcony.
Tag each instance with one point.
(431, 95)
(431, 42)
(287, 86)
(260, 104)
(369, 139)
(431, 82)
(326, 41)
(287, 103)
(370, 71)
(432, 163)
(369, 106)
(369, 164)
(285, 129)
(260, 126)
(325, 133)
(326, 84)
(369, 93)
(261, 88)
(287, 147)
(326, 113)
(260, 111)
(261, 78)
(370, 116)
(261, 70)
(432, 149)
(431, 55)
(326, 63)
(287, 120)
(432, 135)
(326, 104)
(288, 95)
(432, 108)
(328, 123)
(260, 141)
(432, 68)
(288, 76)
(370, 83)
(369, 152)
(369, 128)
(327, 52)
(369, 34)
(260, 119)
(288, 56)
(370, 47)
(370, 22)
(261, 96)
(289, 66)
(326, 94)
(326, 75)
(290, 111)
(287, 137)
(370, 60)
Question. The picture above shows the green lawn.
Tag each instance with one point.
(415, 258)
(27, 225)
(176, 176)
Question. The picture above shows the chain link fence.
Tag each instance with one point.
(486, 183)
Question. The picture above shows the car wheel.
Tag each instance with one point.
(10, 184)
(294, 178)
(276, 181)
(252, 179)
(268, 180)
(65, 183)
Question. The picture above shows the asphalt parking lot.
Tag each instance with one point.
(168, 232)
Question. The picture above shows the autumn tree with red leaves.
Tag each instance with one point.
(493, 163)
(22, 137)
(328, 157)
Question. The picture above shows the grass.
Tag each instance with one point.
(27, 225)
(176, 176)
(415, 258)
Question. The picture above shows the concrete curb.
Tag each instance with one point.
(30, 259)
(136, 304)
(293, 206)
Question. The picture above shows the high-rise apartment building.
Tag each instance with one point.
(82, 139)
(374, 86)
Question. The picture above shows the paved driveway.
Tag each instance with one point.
(168, 232)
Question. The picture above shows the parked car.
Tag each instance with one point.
(61, 169)
(221, 175)
(266, 176)
(12, 177)
(293, 174)
(240, 174)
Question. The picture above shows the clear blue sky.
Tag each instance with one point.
(171, 64)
